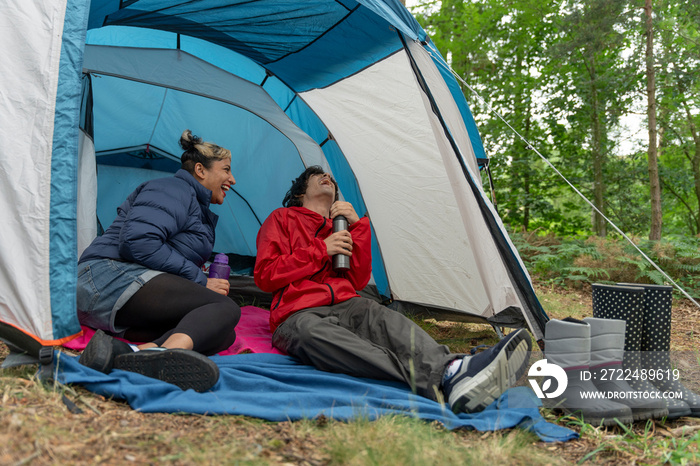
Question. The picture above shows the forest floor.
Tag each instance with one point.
(41, 424)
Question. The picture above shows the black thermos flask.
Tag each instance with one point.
(341, 262)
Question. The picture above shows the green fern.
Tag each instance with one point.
(559, 261)
(586, 272)
(690, 268)
(654, 275)
(639, 262)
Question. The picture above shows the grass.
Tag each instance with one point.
(399, 440)
(37, 426)
(561, 303)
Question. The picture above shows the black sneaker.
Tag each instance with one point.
(184, 368)
(101, 350)
(484, 377)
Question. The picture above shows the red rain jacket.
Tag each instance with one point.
(293, 262)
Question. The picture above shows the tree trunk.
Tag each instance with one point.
(599, 226)
(654, 186)
(696, 177)
(522, 113)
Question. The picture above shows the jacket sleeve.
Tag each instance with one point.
(277, 265)
(361, 259)
(148, 225)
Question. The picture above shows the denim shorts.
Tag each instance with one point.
(104, 286)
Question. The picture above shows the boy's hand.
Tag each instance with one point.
(346, 210)
(339, 243)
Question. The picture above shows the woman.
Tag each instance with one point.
(142, 279)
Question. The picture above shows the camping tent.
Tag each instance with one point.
(96, 93)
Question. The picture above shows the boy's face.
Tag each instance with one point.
(319, 184)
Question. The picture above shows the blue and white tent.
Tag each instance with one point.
(95, 94)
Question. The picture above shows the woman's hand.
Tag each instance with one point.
(346, 210)
(219, 285)
(339, 243)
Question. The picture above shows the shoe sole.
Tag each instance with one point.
(500, 375)
(641, 414)
(98, 353)
(184, 368)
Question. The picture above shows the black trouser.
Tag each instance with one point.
(360, 337)
(169, 304)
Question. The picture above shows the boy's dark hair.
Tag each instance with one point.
(299, 185)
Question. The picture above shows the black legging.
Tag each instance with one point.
(169, 304)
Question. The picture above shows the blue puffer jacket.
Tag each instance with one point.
(165, 224)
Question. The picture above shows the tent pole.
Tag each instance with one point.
(498, 331)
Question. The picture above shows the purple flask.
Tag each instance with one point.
(220, 268)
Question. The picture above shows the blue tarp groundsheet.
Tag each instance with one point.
(279, 388)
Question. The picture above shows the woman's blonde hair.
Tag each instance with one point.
(198, 151)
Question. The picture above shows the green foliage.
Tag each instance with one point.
(574, 261)
(682, 451)
(645, 447)
(568, 76)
